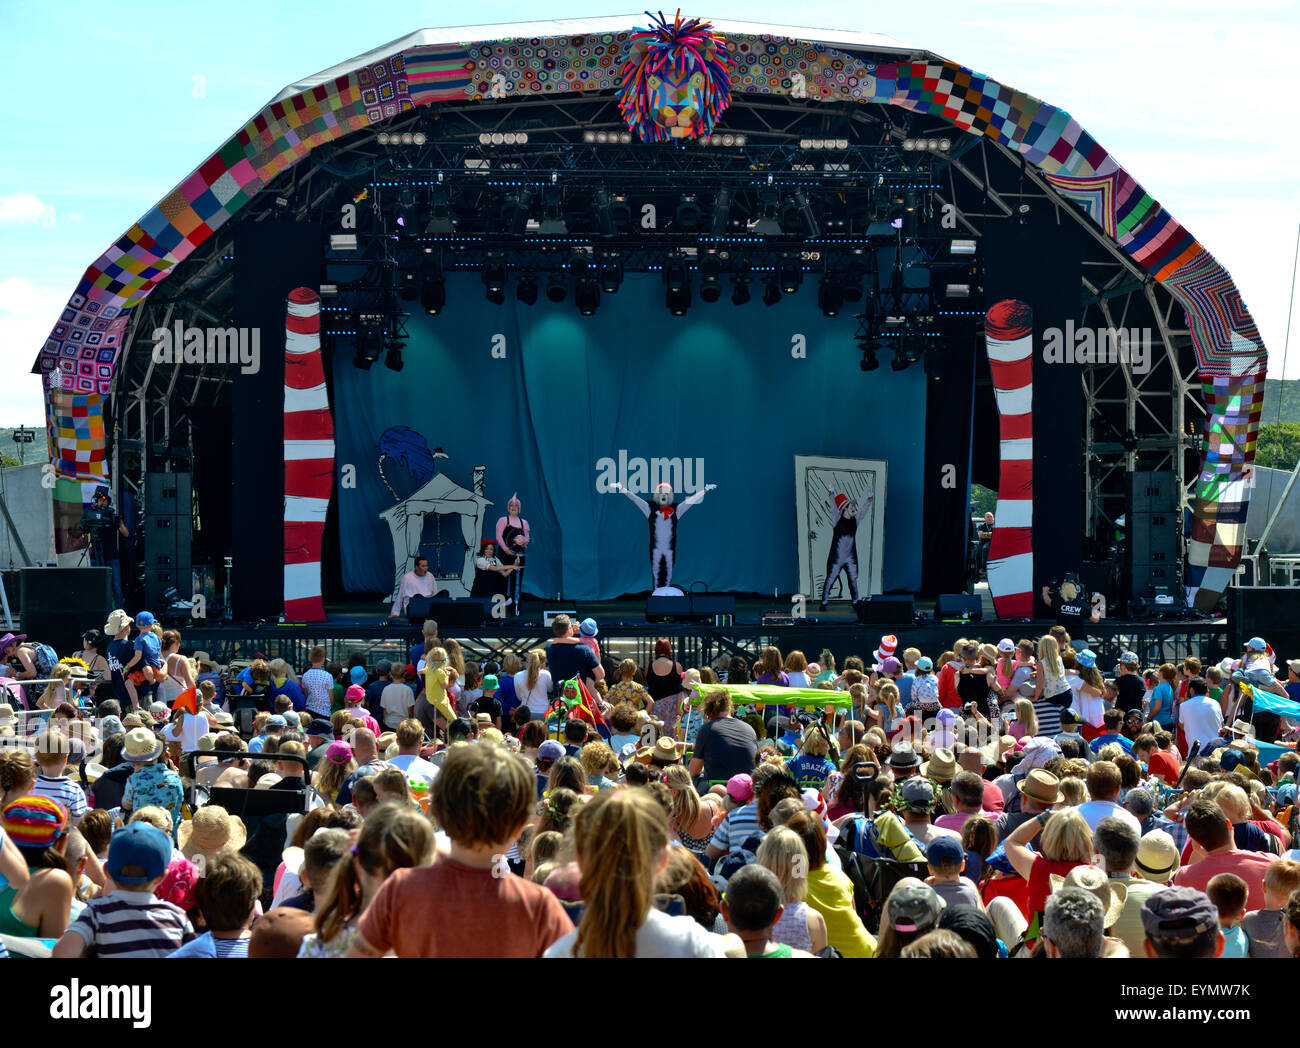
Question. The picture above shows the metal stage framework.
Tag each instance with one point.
(835, 170)
(697, 644)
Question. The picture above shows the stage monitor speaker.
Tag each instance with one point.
(662, 609)
(448, 611)
(710, 605)
(60, 604)
(954, 605)
(168, 494)
(889, 610)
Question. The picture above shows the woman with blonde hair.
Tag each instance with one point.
(1025, 726)
(830, 892)
(533, 684)
(391, 838)
(889, 706)
(1074, 791)
(621, 840)
(59, 689)
(1052, 691)
(691, 822)
(1066, 842)
(800, 926)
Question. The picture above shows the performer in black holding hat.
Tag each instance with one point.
(513, 537)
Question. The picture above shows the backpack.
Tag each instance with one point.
(44, 658)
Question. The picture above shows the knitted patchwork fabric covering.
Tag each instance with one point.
(81, 351)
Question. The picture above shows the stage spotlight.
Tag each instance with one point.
(526, 289)
(721, 221)
(553, 212)
(515, 211)
(433, 289)
(869, 361)
(440, 222)
(613, 213)
(804, 209)
(900, 361)
(586, 295)
(933, 365)
(611, 272)
(393, 358)
(678, 280)
(408, 284)
(771, 292)
(370, 339)
(494, 277)
(556, 288)
(688, 211)
(768, 223)
(710, 274)
(789, 273)
(740, 286)
(829, 296)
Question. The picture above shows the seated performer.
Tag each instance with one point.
(492, 577)
(415, 583)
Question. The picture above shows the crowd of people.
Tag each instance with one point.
(993, 800)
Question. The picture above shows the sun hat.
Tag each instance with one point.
(490, 683)
(989, 652)
(888, 645)
(357, 674)
(202, 658)
(144, 619)
(34, 821)
(483, 718)
(914, 906)
(141, 746)
(118, 620)
(1037, 752)
(942, 765)
(945, 851)
(7, 717)
(1086, 658)
(11, 638)
(1128, 658)
(1006, 645)
(385, 740)
(138, 844)
(208, 741)
(1040, 786)
(111, 726)
(492, 735)
(903, 757)
(740, 788)
(338, 753)
(268, 780)
(1111, 894)
(550, 750)
(1157, 857)
(212, 829)
(1178, 912)
(664, 751)
(588, 628)
(94, 772)
(159, 711)
(924, 664)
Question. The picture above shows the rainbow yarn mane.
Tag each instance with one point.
(676, 81)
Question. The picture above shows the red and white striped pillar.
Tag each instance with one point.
(1009, 341)
(308, 457)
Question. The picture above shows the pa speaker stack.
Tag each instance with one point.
(449, 611)
(891, 610)
(60, 604)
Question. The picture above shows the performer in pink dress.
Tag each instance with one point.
(513, 537)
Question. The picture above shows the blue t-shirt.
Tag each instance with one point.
(207, 946)
(150, 648)
(905, 687)
(1165, 694)
(1106, 740)
(1293, 689)
(810, 771)
(290, 688)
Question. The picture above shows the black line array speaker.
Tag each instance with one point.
(1152, 529)
(953, 605)
(167, 546)
(886, 610)
(168, 494)
(60, 604)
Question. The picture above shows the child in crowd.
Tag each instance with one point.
(1264, 928)
(397, 700)
(468, 904)
(144, 671)
(322, 853)
(392, 787)
(130, 921)
(946, 859)
(52, 751)
(752, 907)
(355, 703)
(487, 702)
(151, 783)
(1228, 893)
(226, 895)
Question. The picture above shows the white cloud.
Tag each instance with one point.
(25, 209)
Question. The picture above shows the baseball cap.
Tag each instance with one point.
(924, 663)
(740, 788)
(1006, 644)
(890, 665)
(914, 906)
(550, 750)
(1069, 717)
(383, 667)
(1129, 658)
(1178, 912)
(355, 693)
(321, 728)
(276, 721)
(490, 682)
(144, 620)
(1157, 857)
(357, 674)
(1256, 644)
(917, 793)
(1294, 666)
(945, 851)
(1229, 759)
(338, 753)
(588, 628)
(138, 844)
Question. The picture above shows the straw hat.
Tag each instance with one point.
(267, 781)
(7, 717)
(141, 745)
(1040, 786)
(941, 766)
(202, 658)
(212, 829)
(664, 751)
(1111, 894)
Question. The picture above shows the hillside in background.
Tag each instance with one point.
(1287, 393)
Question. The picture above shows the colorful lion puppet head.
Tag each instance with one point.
(676, 81)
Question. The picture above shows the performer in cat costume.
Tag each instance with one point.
(663, 529)
(843, 552)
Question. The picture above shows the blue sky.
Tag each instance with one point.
(119, 105)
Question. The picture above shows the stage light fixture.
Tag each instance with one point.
(515, 211)
(900, 361)
(494, 277)
(933, 365)
(393, 358)
(710, 277)
(526, 289)
(829, 296)
(586, 296)
(740, 289)
(440, 222)
(789, 273)
(688, 211)
(804, 209)
(406, 216)
(677, 278)
(408, 284)
(433, 289)
(869, 360)
(851, 290)
(768, 223)
(771, 292)
(721, 220)
(553, 212)
(957, 291)
(370, 339)
(610, 268)
(556, 287)
(613, 213)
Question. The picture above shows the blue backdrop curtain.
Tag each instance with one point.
(720, 384)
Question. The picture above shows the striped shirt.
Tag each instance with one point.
(132, 924)
(739, 825)
(63, 790)
(1049, 717)
(231, 947)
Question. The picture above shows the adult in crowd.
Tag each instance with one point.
(663, 683)
(724, 746)
(568, 658)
